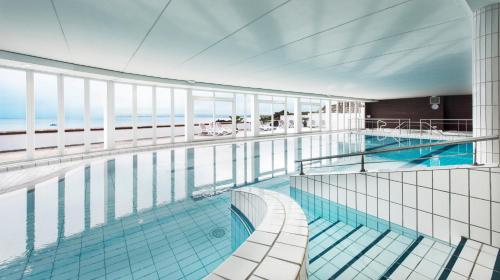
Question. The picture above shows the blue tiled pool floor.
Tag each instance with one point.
(174, 241)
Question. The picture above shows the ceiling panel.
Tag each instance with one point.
(106, 33)
(31, 27)
(362, 48)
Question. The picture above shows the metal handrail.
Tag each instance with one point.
(371, 152)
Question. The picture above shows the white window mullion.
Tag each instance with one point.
(30, 115)
(60, 114)
(153, 113)
(285, 112)
(109, 116)
(86, 115)
(134, 115)
(172, 116)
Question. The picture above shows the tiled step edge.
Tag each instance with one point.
(473, 260)
(277, 249)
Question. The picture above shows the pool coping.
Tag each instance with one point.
(277, 249)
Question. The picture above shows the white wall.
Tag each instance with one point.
(444, 203)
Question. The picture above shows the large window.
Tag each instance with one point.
(145, 113)
(179, 109)
(123, 111)
(213, 115)
(164, 114)
(46, 104)
(12, 108)
(73, 110)
(97, 98)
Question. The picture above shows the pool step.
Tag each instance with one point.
(341, 251)
(427, 259)
(473, 260)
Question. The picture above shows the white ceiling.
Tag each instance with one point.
(358, 48)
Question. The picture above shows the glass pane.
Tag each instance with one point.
(279, 118)
(203, 118)
(223, 118)
(98, 91)
(12, 100)
(144, 106)
(73, 102)
(291, 113)
(179, 107)
(265, 112)
(12, 108)
(123, 105)
(45, 101)
(163, 112)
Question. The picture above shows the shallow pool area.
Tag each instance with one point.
(166, 214)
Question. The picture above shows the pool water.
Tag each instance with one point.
(160, 214)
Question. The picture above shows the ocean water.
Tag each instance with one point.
(13, 124)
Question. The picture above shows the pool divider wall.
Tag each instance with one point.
(277, 249)
(442, 202)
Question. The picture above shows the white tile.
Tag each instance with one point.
(213, 277)
(479, 184)
(495, 219)
(424, 223)
(459, 181)
(410, 177)
(396, 192)
(458, 230)
(383, 209)
(409, 195)
(463, 267)
(293, 239)
(441, 203)
(252, 251)
(441, 228)
(424, 178)
(424, 199)
(235, 268)
(383, 188)
(410, 218)
(288, 253)
(441, 180)
(480, 212)
(469, 253)
(272, 268)
(481, 272)
(459, 208)
(396, 213)
(486, 259)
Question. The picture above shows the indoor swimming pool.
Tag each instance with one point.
(165, 213)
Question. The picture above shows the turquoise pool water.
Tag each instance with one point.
(161, 214)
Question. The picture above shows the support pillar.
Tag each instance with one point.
(486, 91)
(297, 118)
(254, 114)
(86, 115)
(60, 114)
(30, 115)
(134, 115)
(109, 116)
(154, 118)
(188, 119)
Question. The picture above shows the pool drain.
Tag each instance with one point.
(218, 232)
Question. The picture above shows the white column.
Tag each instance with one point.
(285, 111)
(356, 116)
(297, 117)
(134, 115)
(254, 114)
(486, 91)
(86, 115)
(343, 115)
(172, 116)
(60, 114)
(362, 115)
(109, 116)
(328, 115)
(337, 105)
(153, 113)
(188, 119)
(30, 115)
(233, 118)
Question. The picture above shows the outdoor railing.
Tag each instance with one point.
(473, 140)
(440, 127)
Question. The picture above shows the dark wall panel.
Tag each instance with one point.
(451, 107)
